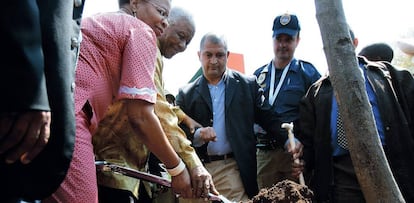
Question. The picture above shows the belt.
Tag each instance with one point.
(267, 144)
(220, 157)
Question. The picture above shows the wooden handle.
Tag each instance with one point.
(289, 128)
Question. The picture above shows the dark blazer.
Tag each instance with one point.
(394, 90)
(38, 74)
(243, 107)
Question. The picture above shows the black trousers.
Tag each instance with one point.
(347, 188)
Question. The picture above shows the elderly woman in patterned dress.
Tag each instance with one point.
(116, 62)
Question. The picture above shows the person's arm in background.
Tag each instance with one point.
(403, 82)
(37, 123)
(307, 128)
(169, 121)
(25, 113)
(185, 119)
(267, 118)
(170, 117)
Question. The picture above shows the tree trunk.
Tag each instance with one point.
(371, 167)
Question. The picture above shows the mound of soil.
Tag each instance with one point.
(284, 192)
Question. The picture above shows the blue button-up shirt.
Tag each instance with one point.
(337, 150)
(222, 145)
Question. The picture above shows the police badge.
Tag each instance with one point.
(284, 19)
(260, 80)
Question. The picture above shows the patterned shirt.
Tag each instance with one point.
(116, 62)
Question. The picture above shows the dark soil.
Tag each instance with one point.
(284, 192)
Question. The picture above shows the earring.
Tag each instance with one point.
(134, 13)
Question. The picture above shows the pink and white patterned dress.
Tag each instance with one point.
(116, 61)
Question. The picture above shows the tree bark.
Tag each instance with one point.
(371, 167)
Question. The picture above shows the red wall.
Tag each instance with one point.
(236, 62)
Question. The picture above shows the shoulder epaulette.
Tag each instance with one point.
(306, 62)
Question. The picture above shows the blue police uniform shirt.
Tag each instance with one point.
(337, 150)
(297, 81)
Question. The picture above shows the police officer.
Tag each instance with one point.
(285, 80)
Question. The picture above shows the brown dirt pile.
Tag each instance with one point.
(284, 192)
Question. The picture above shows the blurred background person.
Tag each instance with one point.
(37, 121)
(377, 52)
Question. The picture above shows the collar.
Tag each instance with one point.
(295, 67)
(221, 82)
(263, 75)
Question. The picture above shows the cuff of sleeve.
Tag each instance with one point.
(197, 141)
(180, 113)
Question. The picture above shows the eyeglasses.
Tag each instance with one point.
(162, 11)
